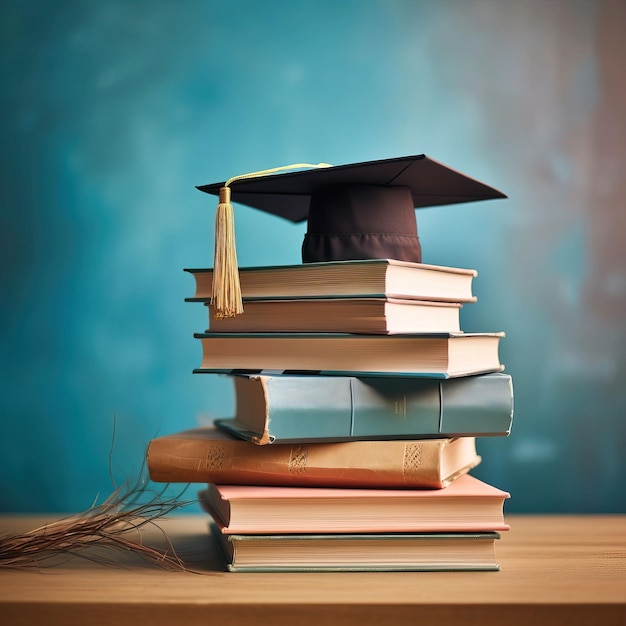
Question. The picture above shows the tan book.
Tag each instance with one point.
(209, 455)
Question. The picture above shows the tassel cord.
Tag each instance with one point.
(274, 170)
(226, 290)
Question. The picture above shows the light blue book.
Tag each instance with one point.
(287, 408)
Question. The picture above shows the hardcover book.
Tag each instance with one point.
(364, 278)
(383, 552)
(341, 315)
(466, 505)
(209, 455)
(442, 355)
(287, 409)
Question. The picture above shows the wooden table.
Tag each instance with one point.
(555, 570)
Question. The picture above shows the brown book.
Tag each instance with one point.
(209, 455)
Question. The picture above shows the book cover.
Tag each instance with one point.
(285, 409)
(441, 355)
(382, 552)
(466, 505)
(209, 455)
(365, 278)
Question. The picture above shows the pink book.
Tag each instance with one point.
(467, 504)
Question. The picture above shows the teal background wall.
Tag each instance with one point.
(113, 111)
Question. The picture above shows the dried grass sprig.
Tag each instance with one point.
(99, 533)
(103, 531)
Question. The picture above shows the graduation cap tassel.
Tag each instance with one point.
(226, 289)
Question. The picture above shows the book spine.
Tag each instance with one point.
(341, 408)
(393, 464)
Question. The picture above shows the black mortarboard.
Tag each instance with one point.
(357, 211)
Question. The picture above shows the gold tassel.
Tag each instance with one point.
(226, 290)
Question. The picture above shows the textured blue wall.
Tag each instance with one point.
(113, 111)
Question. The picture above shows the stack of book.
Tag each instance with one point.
(358, 400)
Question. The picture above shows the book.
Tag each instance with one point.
(359, 552)
(209, 455)
(441, 355)
(365, 278)
(341, 315)
(287, 409)
(465, 505)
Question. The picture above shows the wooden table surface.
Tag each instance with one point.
(554, 570)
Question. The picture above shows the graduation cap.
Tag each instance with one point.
(356, 211)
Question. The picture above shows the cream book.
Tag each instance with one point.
(381, 552)
(439, 355)
(364, 278)
(384, 316)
